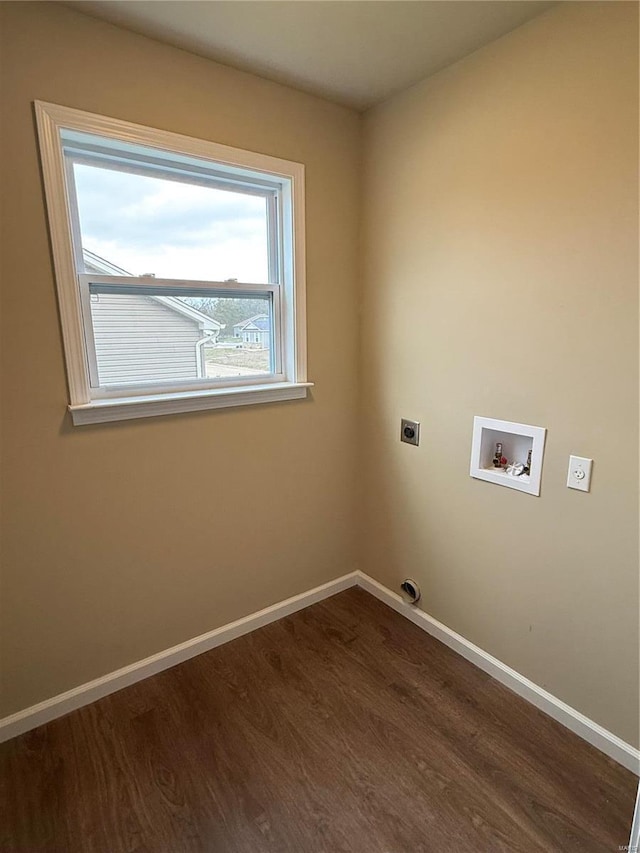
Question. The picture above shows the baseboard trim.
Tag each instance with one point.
(78, 697)
(587, 729)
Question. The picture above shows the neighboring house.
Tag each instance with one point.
(143, 338)
(255, 330)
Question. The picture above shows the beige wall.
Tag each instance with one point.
(119, 540)
(501, 280)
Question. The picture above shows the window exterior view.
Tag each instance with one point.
(141, 338)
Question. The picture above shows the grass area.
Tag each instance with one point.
(256, 359)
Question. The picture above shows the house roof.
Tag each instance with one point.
(94, 263)
(97, 264)
(259, 325)
(204, 321)
(259, 322)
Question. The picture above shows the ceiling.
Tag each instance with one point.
(354, 52)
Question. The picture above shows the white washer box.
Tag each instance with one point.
(517, 440)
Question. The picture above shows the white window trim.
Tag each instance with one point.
(84, 406)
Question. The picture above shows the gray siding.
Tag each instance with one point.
(141, 340)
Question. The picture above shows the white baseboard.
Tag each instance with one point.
(58, 706)
(585, 728)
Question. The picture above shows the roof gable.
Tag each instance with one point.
(259, 322)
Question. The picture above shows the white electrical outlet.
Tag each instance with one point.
(579, 476)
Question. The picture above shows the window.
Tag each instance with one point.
(179, 267)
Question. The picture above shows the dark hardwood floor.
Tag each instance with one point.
(340, 728)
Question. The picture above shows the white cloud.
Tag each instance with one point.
(171, 229)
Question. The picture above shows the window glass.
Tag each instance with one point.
(141, 339)
(242, 346)
(171, 228)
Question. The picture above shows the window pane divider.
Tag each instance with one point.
(149, 284)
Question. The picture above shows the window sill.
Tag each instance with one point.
(126, 408)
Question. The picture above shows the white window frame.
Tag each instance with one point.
(90, 403)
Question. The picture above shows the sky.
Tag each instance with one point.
(171, 229)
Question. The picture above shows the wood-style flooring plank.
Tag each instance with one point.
(343, 728)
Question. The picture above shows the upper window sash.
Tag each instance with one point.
(153, 167)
